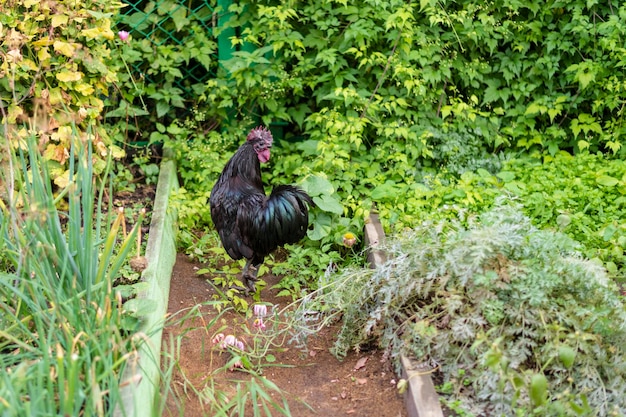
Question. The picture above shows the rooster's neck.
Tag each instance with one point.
(245, 165)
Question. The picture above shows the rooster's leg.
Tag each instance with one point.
(249, 276)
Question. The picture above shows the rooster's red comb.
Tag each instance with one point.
(260, 132)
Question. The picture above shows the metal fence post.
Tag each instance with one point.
(224, 47)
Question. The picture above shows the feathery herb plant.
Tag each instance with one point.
(515, 318)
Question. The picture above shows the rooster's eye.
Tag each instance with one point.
(258, 147)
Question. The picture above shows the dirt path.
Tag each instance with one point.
(362, 385)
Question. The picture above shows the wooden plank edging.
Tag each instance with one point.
(420, 398)
(140, 397)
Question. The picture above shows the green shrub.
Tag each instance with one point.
(380, 93)
(54, 76)
(517, 321)
(527, 76)
(168, 57)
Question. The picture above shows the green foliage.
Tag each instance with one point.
(167, 59)
(54, 75)
(528, 76)
(518, 321)
(386, 100)
(583, 196)
(61, 320)
(302, 267)
(381, 91)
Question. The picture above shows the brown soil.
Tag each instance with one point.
(362, 385)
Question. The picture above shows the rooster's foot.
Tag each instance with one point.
(249, 281)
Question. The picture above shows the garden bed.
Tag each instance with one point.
(363, 384)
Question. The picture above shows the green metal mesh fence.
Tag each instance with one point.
(172, 23)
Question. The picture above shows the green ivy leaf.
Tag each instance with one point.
(328, 203)
(316, 185)
(607, 181)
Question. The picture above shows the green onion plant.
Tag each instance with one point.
(62, 344)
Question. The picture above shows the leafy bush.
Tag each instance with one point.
(515, 318)
(168, 57)
(392, 74)
(377, 94)
(54, 75)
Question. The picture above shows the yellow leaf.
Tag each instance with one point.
(104, 30)
(96, 103)
(84, 88)
(59, 20)
(111, 77)
(102, 87)
(108, 34)
(30, 64)
(117, 152)
(67, 76)
(43, 55)
(23, 133)
(14, 112)
(91, 33)
(55, 96)
(43, 42)
(64, 48)
(63, 180)
(63, 134)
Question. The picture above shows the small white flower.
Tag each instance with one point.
(229, 340)
(260, 310)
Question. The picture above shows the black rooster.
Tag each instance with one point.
(251, 225)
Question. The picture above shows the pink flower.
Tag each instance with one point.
(260, 310)
(217, 338)
(229, 340)
(237, 364)
(123, 35)
(258, 323)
